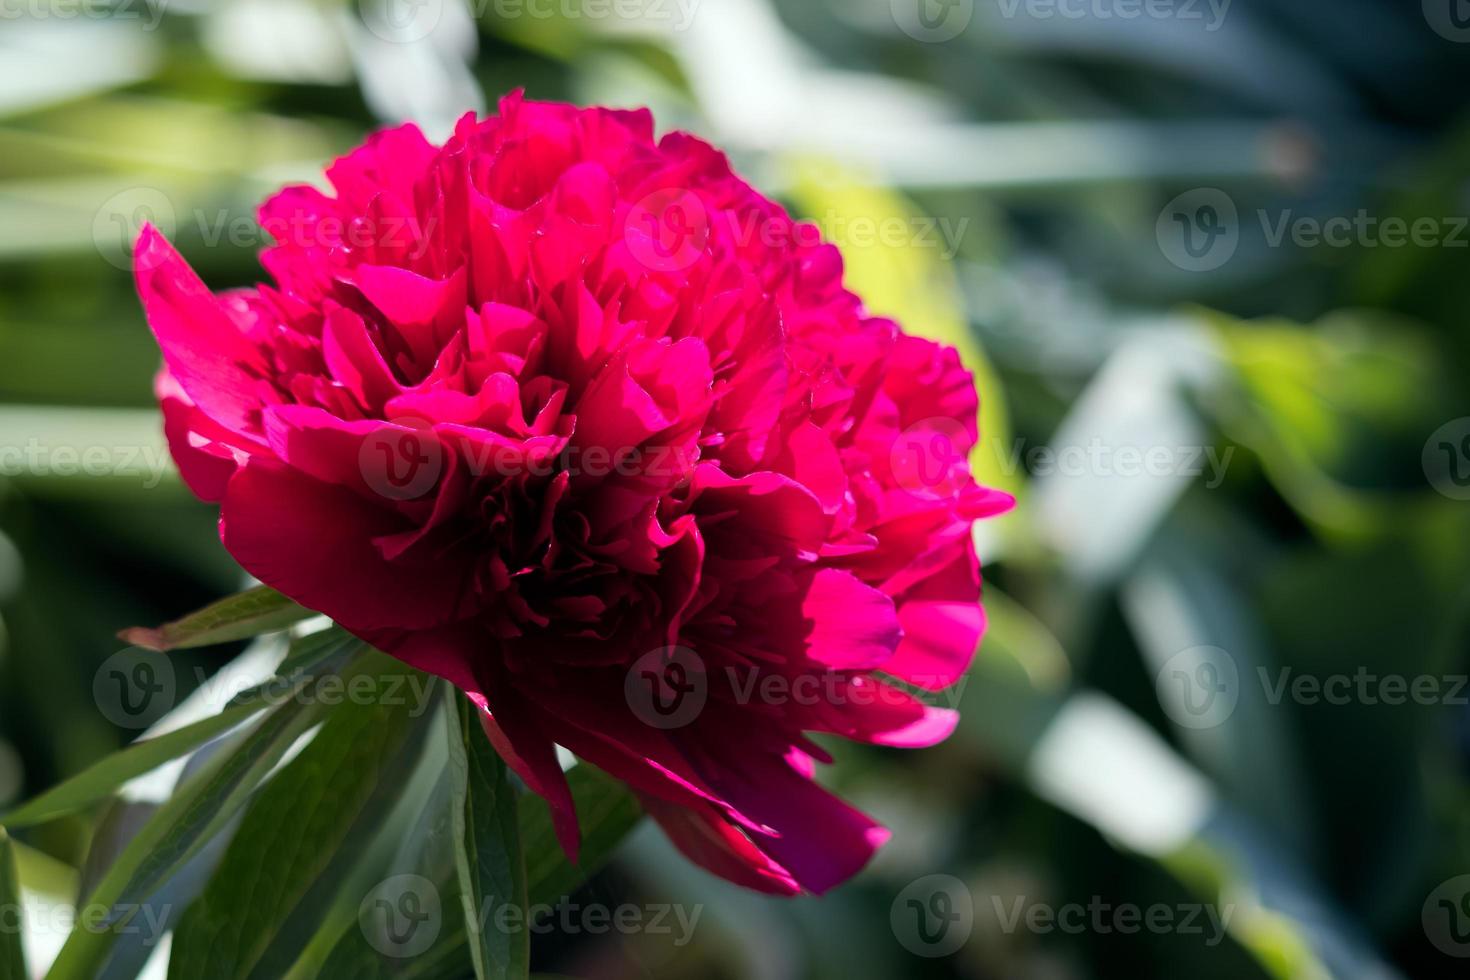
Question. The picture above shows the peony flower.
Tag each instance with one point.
(579, 421)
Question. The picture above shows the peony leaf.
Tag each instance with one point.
(188, 820)
(318, 654)
(292, 832)
(12, 957)
(606, 812)
(239, 617)
(487, 853)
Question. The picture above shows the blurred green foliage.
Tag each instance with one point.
(1031, 159)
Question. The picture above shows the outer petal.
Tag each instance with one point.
(313, 541)
(205, 351)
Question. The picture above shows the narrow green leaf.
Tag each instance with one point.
(101, 779)
(319, 653)
(291, 832)
(186, 822)
(492, 871)
(606, 811)
(12, 957)
(241, 616)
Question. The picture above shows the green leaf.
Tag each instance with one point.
(241, 616)
(291, 832)
(101, 780)
(319, 653)
(362, 946)
(12, 957)
(188, 820)
(606, 811)
(491, 869)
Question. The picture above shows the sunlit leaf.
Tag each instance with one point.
(488, 859)
(249, 613)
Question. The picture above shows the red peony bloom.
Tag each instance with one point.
(581, 422)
